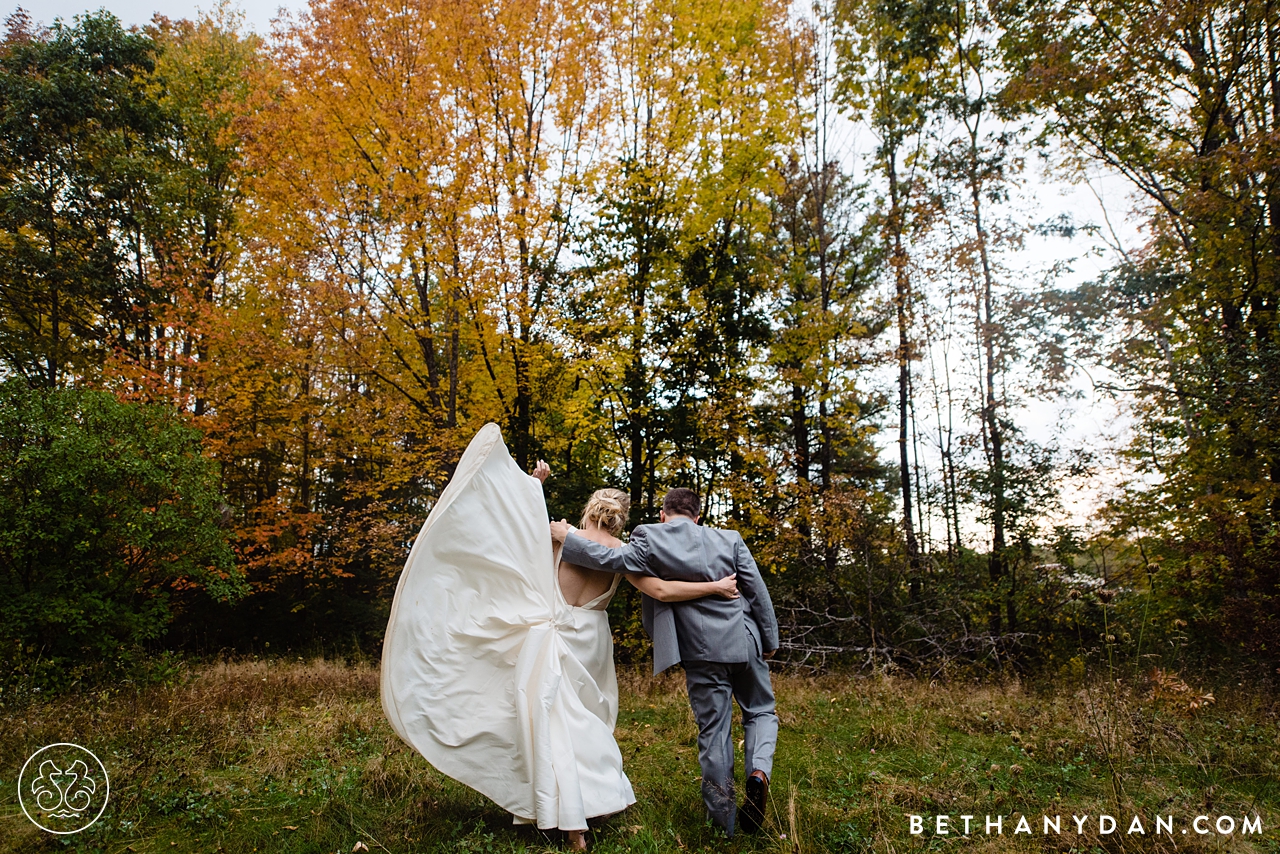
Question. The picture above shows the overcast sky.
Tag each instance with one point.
(130, 12)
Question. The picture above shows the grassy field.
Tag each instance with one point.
(295, 756)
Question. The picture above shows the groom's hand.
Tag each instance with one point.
(560, 530)
(770, 654)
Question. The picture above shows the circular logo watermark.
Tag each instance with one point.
(63, 788)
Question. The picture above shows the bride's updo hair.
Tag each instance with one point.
(608, 508)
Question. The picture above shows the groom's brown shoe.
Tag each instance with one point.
(751, 814)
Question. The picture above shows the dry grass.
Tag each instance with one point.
(290, 755)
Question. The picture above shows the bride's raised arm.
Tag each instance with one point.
(683, 591)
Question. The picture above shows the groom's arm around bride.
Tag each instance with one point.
(679, 549)
(722, 643)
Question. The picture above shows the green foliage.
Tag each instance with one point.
(76, 131)
(107, 509)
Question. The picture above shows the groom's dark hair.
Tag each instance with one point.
(682, 502)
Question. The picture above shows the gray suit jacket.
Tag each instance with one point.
(708, 629)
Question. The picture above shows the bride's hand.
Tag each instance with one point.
(727, 587)
(560, 530)
(542, 471)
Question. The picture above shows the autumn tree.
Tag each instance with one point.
(409, 201)
(698, 117)
(1183, 100)
(201, 82)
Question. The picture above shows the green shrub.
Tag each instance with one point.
(106, 509)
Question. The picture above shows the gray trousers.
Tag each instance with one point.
(711, 685)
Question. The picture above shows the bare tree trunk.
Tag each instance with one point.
(55, 317)
(996, 561)
(921, 474)
(944, 441)
(304, 473)
(902, 298)
(455, 326)
(637, 399)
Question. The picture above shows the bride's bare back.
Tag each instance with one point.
(580, 585)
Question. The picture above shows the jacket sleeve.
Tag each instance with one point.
(631, 558)
(751, 588)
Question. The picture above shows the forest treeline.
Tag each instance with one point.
(257, 295)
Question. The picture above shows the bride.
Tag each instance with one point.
(497, 665)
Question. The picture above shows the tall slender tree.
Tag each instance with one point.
(891, 50)
(981, 164)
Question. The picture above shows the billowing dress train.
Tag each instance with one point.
(486, 670)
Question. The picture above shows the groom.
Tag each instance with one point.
(723, 643)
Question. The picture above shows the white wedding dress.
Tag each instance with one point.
(486, 670)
